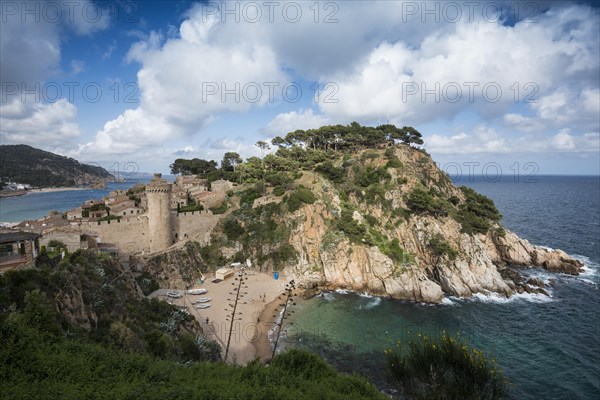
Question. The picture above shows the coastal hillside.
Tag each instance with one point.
(81, 328)
(25, 164)
(361, 208)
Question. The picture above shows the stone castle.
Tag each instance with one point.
(155, 230)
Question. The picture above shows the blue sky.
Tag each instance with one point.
(489, 84)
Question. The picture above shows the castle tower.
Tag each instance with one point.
(158, 193)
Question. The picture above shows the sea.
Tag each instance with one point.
(548, 347)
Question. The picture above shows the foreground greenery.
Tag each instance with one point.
(89, 296)
(444, 368)
(37, 365)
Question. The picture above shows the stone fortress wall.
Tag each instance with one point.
(156, 230)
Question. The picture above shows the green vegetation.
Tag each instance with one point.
(300, 196)
(147, 283)
(476, 213)
(90, 298)
(37, 364)
(444, 368)
(422, 201)
(353, 230)
(25, 164)
(367, 176)
(331, 172)
(279, 191)
(441, 247)
(220, 209)
(390, 248)
(262, 233)
(248, 196)
(190, 207)
(194, 166)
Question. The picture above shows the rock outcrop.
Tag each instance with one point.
(333, 261)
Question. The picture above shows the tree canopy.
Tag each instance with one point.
(300, 149)
(195, 166)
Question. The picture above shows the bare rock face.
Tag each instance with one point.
(479, 266)
(517, 251)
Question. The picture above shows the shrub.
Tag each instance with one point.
(190, 207)
(220, 209)
(480, 205)
(440, 247)
(299, 197)
(331, 172)
(445, 368)
(279, 191)
(422, 201)
(147, 283)
(350, 227)
(249, 195)
(232, 229)
(476, 212)
(367, 176)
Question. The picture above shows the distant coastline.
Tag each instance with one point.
(15, 193)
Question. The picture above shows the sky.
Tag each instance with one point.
(495, 87)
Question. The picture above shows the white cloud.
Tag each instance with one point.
(293, 120)
(559, 51)
(563, 107)
(185, 81)
(41, 125)
(563, 140)
(486, 140)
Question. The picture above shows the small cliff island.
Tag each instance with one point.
(361, 208)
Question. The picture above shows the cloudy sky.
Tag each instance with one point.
(512, 85)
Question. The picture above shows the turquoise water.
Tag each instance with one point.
(548, 347)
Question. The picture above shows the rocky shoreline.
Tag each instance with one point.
(484, 265)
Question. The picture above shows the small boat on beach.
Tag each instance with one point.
(202, 300)
(196, 291)
(202, 306)
(174, 294)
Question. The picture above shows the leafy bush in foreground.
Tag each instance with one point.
(445, 368)
(36, 365)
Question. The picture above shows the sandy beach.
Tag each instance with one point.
(254, 314)
(58, 189)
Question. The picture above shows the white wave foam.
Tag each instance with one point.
(590, 268)
(446, 301)
(343, 291)
(366, 295)
(329, 296)
(373, 303)
(499, 299)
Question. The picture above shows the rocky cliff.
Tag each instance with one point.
(437, 257)
(384, 221)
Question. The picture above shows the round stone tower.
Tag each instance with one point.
(158, 193)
